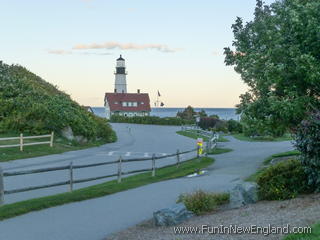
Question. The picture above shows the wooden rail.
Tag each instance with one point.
(71, 167)
(22, 143)
(212, 136)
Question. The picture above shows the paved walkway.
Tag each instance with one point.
(134, 141)
(95, 219)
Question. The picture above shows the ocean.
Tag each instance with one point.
(223, 113)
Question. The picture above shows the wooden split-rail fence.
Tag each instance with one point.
(22, 143)
(71, 167)
(212, 136)
(211, 143)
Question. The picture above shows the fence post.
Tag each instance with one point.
(21, 142)
(198, 148)
(51, 139)
(1, 187)
(119, 169)
(178, 158)
(153, 165)
(208, 147)
(71, 176)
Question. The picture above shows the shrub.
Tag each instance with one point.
(150, 120)
(208, 122)
(234, 126)
(31, 105)
(283, 181)
(214, 116)
(307, 141)
(200, 202)
(221, 126)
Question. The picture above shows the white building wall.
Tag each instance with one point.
(107, 109)
(120, 83)
(132, 114)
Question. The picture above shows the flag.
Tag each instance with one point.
(159, 94)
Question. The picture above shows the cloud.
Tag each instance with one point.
(125, 46)
(64, 52)
(93, 53)
(59, 52)
(215, 53)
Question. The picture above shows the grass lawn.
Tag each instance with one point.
(193, 134)
(253, 177)
(219, 150)
(314, 235)
(222, 139)
(240, 136)
(284, 154)
(59, 146)
(110, 187)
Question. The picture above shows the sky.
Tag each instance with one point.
(173, 46)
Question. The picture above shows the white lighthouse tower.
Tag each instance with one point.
(120, 85)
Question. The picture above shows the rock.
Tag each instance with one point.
(81, 139)
(172, 216)
(243, 194)
(67, 133)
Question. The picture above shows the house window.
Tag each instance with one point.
(135, 104)
(142, 103)
(115, 102)
(124, 104)
(129, 104)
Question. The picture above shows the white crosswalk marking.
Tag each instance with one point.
(146, 154)
(110, 153)
(127, 154)
(163, 154)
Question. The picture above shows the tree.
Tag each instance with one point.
(308, 143)
(202, 113)
(277, 55)
(187, 114)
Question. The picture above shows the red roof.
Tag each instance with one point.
(115, 101)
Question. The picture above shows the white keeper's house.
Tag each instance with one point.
(122, 103)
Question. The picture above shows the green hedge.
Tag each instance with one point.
(31, 105)
(284, 180)
(151, 120)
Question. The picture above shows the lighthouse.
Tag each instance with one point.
(122, 103)
(120, 84)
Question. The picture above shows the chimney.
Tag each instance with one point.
(138, 91)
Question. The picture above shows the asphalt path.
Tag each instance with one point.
(97, 218)
(134, 141)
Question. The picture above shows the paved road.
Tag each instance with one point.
(94, 219)
(134, 141)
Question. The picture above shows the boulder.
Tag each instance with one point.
(67, 133)
(81, 139)
(242, 194)
(176, 214)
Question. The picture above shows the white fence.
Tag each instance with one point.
(21, 139)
